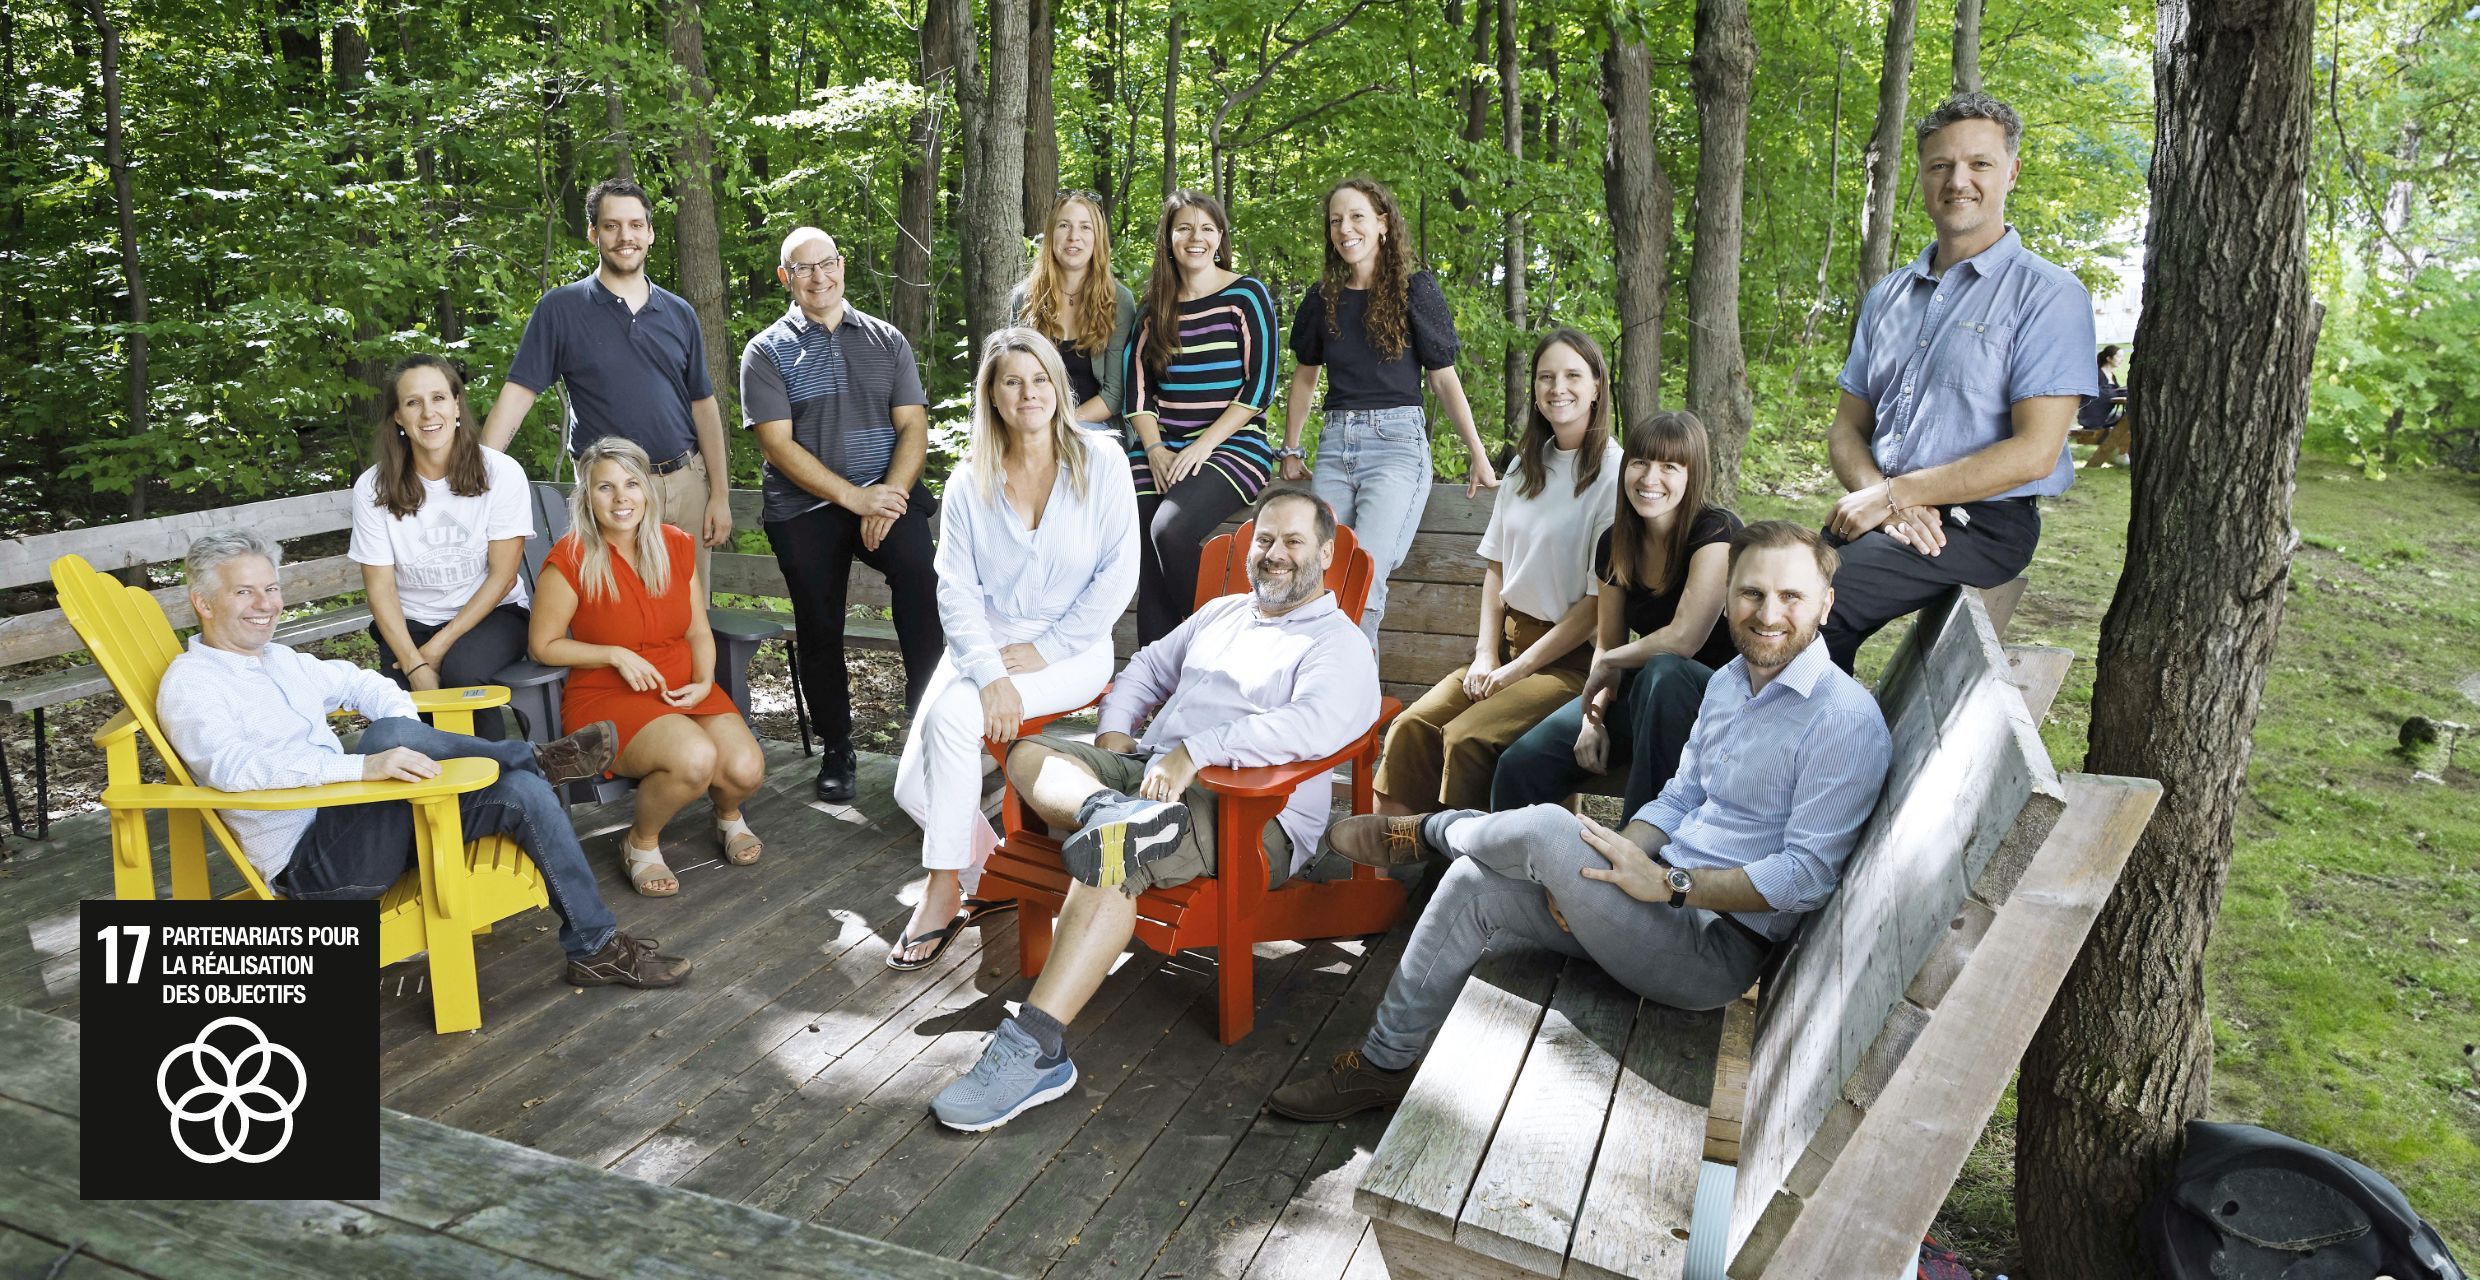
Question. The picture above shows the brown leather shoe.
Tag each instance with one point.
(628, 962)
(1375, 840)
(584, 754)
(1347, 1088)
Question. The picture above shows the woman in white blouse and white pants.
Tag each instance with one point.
(1037, 559)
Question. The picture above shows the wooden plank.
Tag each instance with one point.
(1526, 1200)
(32, 1256)
(1411, 1255)
(1642, 1201)
(1441, 1132)
(120, 546)
(1870, 1209)
(1727, 1114)
(27, 636)
(2038, 671)
(2000, 601)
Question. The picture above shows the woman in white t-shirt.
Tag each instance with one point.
(1531, 650)
(439, 528)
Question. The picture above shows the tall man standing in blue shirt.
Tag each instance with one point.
(1965, 373)
(633, 360)
(1686, 904)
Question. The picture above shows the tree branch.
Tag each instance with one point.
(1283, 55)
(1243, 144)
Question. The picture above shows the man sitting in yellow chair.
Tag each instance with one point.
(249, 714)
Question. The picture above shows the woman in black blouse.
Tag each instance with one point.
(1660, 573)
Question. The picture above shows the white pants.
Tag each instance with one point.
(939, 777)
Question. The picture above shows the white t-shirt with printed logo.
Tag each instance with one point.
(442, 552)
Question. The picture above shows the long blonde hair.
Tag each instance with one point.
(654, 557)
(1096, 306)
(991, 438)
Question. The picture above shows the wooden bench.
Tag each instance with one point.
(1564, 1137)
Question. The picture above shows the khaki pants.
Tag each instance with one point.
(684, 506)
(1196, 855)
(1443, 750)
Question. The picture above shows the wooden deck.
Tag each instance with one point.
(793, 1073)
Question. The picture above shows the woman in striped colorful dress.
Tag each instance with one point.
(1200, 375)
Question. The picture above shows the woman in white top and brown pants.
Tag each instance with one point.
(1530, 652)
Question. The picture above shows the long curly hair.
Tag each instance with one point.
(399, 486)
(1678, 436)
(1161, 309)
(1533, 450)
(1390, 282)
(1095, 306)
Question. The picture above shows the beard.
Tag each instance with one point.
(1764, 653)
(612, 265)
(1282, 587)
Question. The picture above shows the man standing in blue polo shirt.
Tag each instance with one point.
(633, 360)
(836, 400)
(1965, 373)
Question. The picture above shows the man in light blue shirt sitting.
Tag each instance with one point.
(1965, 373)
(1685, 905)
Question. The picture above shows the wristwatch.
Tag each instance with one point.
(1292, 451)
(1680, 885)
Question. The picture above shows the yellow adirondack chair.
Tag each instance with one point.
(437, 906)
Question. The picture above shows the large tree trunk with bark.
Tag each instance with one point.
(1885, 156)
(693, 198)
(1041, 116)
(1967, 46)
(1724, 61)
(2228, 332)
(616, 116)
(1171, 105)
(116, 162)
(993, 238)
(917, 197)
(1640, 198)
(1511, 135)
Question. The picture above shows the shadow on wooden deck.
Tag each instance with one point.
(793, 1072)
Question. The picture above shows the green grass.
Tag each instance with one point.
(2344, 974)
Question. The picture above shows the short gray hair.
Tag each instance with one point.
(216, 546)
(1970, 106)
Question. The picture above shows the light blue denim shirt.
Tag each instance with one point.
(1060, 587)
(1943, 359)
(1779, 783)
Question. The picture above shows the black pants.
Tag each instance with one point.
(477, 655)
(1176, 526)
(815, 550)
(1648, 720)
(1882, 580)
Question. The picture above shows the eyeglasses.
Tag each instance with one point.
(807, 269)
(1080, 193)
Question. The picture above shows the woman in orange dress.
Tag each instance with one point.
(620, 604)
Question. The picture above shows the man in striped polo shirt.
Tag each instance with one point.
(837, 403)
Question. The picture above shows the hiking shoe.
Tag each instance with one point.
(628, 962)
(580, 756)
(1116, 838)
(1375, 840)
(1347, 1088)
(837, 775)
(1010, 1080)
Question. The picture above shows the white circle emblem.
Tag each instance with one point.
(229, 1105)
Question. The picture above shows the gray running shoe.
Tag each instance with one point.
(1120, 837)
(1010, 1080)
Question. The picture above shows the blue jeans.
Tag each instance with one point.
(355, 851)
(1373, 468)
(1493, 894)
(1647, 721)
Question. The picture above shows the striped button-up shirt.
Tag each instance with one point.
(1942, 359)
(1777, 783)
(245, 723)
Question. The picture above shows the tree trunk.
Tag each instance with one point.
(351, 65)
(297, 39)
(993, 239)
(616, 117)
(2228, 335)
(693, 198)
(1885, 155)
(1102, 80)
(1640, 198)
(1171, 106)
(116, 162)
(1724, 61)
(1967, 46)
(1511, 136)
(917, 196)
(1041, 117)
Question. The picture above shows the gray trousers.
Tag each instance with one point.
(1493, 894)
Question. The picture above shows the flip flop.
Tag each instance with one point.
(976, 908)
(906, 942)
(645, 866)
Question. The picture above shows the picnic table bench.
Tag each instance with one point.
(1558, 1129)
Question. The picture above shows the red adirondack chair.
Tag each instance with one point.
(1232, 910)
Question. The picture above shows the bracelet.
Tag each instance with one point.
(415, 667)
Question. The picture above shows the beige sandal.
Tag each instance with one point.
(741, 846)
(645, 866)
